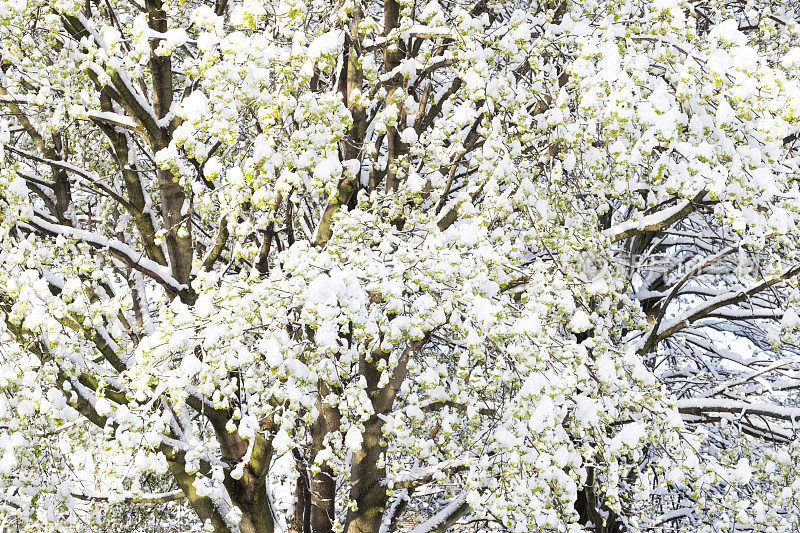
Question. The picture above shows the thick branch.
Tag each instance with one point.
(728, 298)
(701, 406)
(116, 248)
(163, 497)
(656, 221)
(446, 518)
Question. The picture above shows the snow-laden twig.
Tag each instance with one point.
(116, 248)
(677, 287)
(106, 117)
(727, 298)
(700, 406)
(446, 517)
(17, 503)
(150, 498)
(744, 379)
(654, 222)
(95, 180)
(672, 515)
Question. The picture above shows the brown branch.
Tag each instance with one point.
(117, 249)
(144, 499)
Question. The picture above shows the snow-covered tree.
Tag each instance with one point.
(338, 266)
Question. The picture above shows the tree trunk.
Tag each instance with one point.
(367, 470)
(323, 482)
(392, 58)
(177, 230)
(249, 493)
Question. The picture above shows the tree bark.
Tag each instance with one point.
(249, 493)
(178, 231)
(368, 471)
(350, 81)
(392, 57)
(323, 482)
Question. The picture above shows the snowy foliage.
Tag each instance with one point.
(333, 266)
